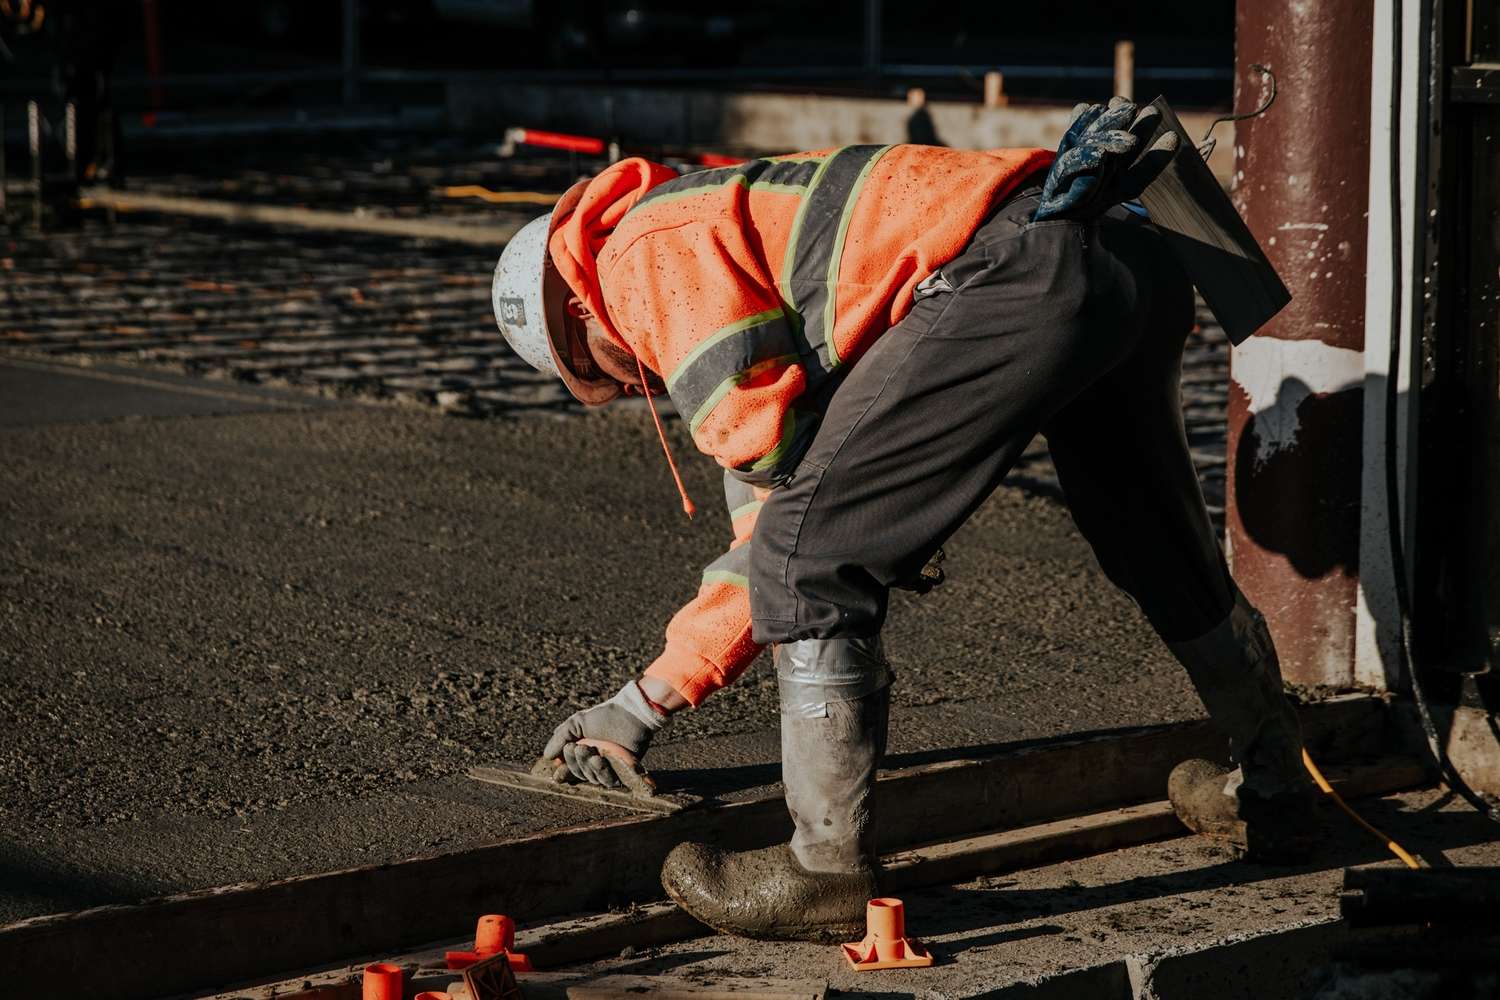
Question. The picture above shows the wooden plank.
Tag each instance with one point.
(573, 986)
(595, 936)
(175, 944)
(568, 942)
(942, 863)
(665, 988)
(495, 236)
(519, 777)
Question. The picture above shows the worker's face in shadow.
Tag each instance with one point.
(612, 360)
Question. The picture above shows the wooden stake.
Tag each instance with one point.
(1125, 69)
(994, 90)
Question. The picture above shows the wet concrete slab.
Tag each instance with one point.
(271, 643)
(33, 393)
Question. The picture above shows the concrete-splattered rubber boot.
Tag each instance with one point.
(1267, 807)
(835, 704)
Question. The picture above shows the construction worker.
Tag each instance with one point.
(866, 339)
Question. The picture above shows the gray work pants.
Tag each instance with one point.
(1072, 329)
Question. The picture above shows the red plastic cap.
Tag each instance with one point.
(383, 981)
(886, 945)
(496, 932)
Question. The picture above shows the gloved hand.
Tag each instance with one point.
(627, 720)
(1100, 162)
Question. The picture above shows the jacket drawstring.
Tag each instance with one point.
(687, 503)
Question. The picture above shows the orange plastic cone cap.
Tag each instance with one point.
(886, 945)
(383, 981)
(496, 933)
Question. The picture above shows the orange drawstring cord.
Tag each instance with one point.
(687, 503)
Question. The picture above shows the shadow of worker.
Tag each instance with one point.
(1297, 481)
(921, 130)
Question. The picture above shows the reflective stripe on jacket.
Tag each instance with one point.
(748, 289)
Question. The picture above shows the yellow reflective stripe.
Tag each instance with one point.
(776, 454)
(773, 187)
(789, 262)
(723, 576)
(835, 257)
(730, 382)
(718, 335)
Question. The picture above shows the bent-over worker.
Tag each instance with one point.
(866, 339)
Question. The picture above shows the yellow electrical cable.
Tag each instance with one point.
(499, 197)
(1390, 844)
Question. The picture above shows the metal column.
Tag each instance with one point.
(1296, 392)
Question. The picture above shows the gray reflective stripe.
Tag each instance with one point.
(733, 568)
(727, 357)
(737, 495)
(786, 176)
(810, 271)
(810, 673)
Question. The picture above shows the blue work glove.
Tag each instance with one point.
(1100, 162)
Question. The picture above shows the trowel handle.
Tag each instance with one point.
(626, 765)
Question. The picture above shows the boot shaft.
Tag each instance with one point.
(1237, 675)
(834, 719)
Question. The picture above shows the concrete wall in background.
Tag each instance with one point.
(771, 122)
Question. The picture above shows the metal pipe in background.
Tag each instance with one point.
(34, 143)
(873, 14)
(70, 140)
(1296, 393)
(2, 162)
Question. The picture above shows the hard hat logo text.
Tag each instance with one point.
(512, 312)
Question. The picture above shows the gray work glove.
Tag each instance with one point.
(1100, 161)
(627, 720)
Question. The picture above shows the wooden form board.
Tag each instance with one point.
(595, 936)
(176, 944)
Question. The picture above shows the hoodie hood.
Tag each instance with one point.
(580, 237)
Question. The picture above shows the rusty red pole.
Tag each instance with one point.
(1296, 397)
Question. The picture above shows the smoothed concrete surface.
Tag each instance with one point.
(269, 643)
(40, 392)
(1175, 920)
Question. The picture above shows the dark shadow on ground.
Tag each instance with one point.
(1346, 846)
(26, 874)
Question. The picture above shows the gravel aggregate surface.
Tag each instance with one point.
(275, 622)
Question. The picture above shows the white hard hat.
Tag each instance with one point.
(516, 295)
(529, 298)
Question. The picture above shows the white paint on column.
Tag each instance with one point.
(1277, 375)
(1377, 655)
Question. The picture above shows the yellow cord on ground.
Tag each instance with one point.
(1390, 844)
(499, 197)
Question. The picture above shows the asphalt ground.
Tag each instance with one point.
(253, 636)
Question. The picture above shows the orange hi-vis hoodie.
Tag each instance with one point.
(749, 289)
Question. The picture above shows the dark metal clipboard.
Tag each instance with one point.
(1210, 239)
